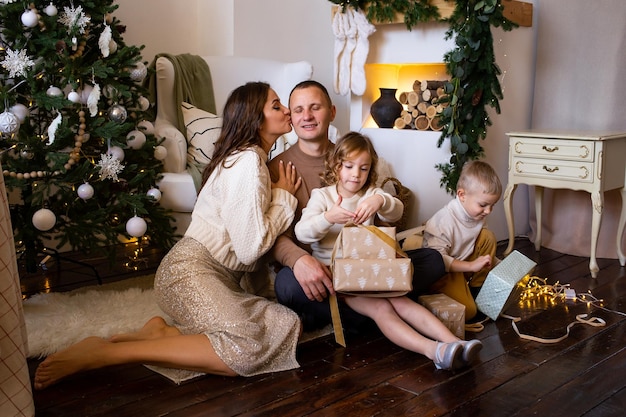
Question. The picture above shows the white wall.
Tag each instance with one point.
(203, 27)
(293, 30)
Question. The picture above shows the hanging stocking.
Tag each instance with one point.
(340, 44)
(346, 57)
(359, 56)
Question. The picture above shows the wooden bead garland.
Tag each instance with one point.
(73, 157)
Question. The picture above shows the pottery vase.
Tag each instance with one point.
(386, 109)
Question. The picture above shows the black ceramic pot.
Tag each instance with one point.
(386, 109)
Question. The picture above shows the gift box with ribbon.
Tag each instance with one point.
(450, 312)
(504, 284)
(372, 275)
(361, 243)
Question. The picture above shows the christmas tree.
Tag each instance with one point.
(76, 133)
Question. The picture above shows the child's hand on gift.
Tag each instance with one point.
(368, 208)
(480, 263)
(338, 214)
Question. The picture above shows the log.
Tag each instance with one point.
(435, 123)
(431, 112)
(431, 84)
(417, 86)
(413, 98)
(402, 98)
(401, 123)
(422, 123)
(429, 95)
(422, 106)
(408, 118)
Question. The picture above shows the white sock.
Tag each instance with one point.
(346, 57)
(365, 29)
(340, 44)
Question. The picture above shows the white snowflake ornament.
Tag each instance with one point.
(74, 18)
(109, 167)
(17, 63)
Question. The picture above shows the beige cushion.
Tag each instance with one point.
(203, 130)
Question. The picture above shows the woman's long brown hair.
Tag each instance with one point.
(242, 120)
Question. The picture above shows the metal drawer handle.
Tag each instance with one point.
(551, 169)
(545, 148)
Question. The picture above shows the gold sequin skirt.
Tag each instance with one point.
(251, 334)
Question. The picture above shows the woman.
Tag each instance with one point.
(219, 328)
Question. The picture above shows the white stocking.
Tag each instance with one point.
(340, 44)
(346, 57)
(365, 29)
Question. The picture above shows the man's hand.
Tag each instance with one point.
(314, 278)
(288, 178)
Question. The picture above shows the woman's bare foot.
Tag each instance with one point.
(81, 356)
(154, 328)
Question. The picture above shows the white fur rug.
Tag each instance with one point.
(55, 321)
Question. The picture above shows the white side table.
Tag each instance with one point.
(594, 162)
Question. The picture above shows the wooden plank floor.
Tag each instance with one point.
(582, 375)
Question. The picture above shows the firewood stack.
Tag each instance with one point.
(423, 106)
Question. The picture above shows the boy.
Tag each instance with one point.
(458, 231)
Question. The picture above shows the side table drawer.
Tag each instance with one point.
(573, 150)
(555, 170)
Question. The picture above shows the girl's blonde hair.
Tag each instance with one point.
(348, 144)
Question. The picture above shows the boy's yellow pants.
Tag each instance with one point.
(456, 285)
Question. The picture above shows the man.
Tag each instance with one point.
(303, 283)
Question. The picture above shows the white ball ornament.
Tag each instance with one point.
(85, 191)
(44, 219)
(73, 96)
(139, 72)
(117, 152)
(9, 123)
(135, 139)
(160, 152)
(51, 10)
(54, 91)
(30, 18)
(20, 111)
(136, 226)
(144, 103)
(154, 194)
(146, 127)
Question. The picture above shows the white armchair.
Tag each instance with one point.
(227, 72)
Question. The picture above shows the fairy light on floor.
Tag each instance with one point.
(537, 292)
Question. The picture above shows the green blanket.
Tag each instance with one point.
(193, 85)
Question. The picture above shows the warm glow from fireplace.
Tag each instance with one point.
(399, 76)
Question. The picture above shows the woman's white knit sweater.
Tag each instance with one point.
(238, 215)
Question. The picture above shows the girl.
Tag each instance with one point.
(219, 328)
(351, 196)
